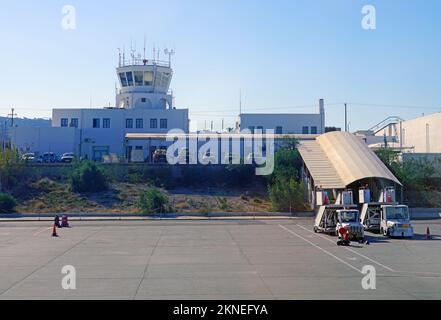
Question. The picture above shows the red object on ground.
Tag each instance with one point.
(54, 231)
(343, 231)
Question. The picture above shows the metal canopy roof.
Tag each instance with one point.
(338, 159)
(320, 166)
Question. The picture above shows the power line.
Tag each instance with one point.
(391, 106)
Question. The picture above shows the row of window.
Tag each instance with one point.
(144, 78)
(139, 123)
(130, 123)
(279, 130)
(96, 123)
(73, 123)
(253, 129)
(306, 130)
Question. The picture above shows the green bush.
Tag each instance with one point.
(288, 195)
(154, 201)
(223, 203)
(87, 177)
(415, 174)
(286, 190)
(10, 168)
(7, 203)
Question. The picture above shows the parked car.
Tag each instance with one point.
(68, 157)
(160, 156)
(48, 157)
(29, 157)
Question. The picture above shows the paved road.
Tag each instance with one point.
(212, 260)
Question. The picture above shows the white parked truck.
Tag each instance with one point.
(331, 218)
(389, 219)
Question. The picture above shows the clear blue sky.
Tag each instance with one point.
(282, 54)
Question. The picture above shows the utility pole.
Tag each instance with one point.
(12, 114)
(346, 117)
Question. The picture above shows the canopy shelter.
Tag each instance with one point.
(340, 160)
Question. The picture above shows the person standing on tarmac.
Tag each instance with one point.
(57, 221)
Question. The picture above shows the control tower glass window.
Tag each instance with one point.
(138, 78)
(123, 78)
(148, 78)
(129, 76)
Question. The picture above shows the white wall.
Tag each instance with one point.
(424, 134)
(84, 139)
(420, 135)
(291, 123)
(45, 139)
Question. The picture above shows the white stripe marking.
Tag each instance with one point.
(41, 231)
(353, 251)
(321, 249)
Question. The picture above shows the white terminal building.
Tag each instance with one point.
(290, 123)
(144, 113)
(144, 104)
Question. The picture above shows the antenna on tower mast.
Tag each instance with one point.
(144, 46)
(169, 53)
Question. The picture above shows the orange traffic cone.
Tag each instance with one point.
(428, 235)
(54, 231)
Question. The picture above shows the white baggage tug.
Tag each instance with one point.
(386, 217)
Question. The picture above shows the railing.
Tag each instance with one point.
(385, 123)
(143, 62)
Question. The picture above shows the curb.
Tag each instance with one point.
(164, 217)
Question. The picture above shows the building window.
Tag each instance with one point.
(106, 123)
(260, 129)
(148, 78)
(123, 78)
(139, 79)
(252, 129)
(153, 123)
(305, 130)
(96, 123)
(129, 78)
(129, 123)
(164, 124)
(139, 123)
(64, 122)
(313, 130)
(143, 100)
(279, 130)
(74, 123)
